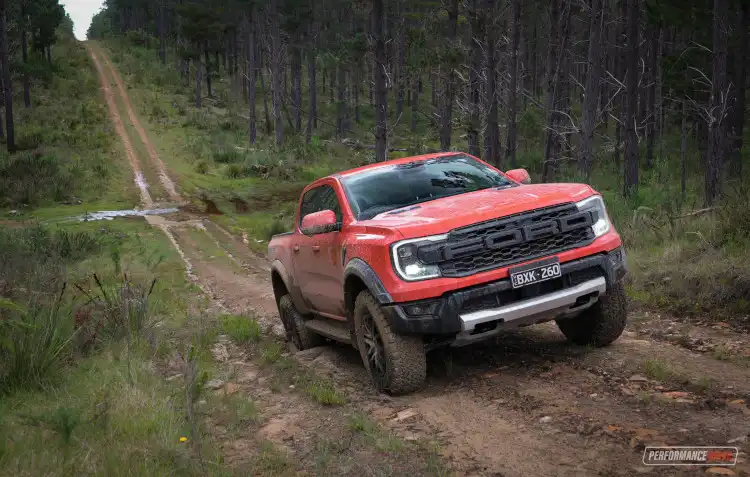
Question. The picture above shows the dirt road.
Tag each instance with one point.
(527, 404)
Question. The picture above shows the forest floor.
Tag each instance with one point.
(525, 404)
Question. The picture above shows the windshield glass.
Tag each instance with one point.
(393, 187)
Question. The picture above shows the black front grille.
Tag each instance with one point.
(515, 239)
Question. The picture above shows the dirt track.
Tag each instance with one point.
(527, 404)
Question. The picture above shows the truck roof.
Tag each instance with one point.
(402, 160)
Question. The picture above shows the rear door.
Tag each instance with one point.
(318, 258)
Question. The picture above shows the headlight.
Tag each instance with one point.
(407, 263)
(596, 204)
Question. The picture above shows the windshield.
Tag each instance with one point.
(393, 187)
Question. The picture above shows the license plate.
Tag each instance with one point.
(535, 272)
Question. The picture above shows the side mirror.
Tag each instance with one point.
(519, 175)
(320, 222)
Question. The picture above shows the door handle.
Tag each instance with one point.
(295, 248)
(316, 248)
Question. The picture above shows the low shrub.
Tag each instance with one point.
(228, 156)
(35, 342)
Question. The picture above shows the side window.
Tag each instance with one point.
(320, 198)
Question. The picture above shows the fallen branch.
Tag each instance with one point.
(696, 212)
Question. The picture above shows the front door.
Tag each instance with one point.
(319, 266)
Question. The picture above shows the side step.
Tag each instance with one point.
(335, 330)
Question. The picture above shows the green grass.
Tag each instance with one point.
(271, 462)
(241, 328)
(271, 352)
(324, 392)
(122, 414)
(103, 409)
(657, 370)
(380, 439)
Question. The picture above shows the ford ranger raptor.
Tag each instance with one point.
(401, 257)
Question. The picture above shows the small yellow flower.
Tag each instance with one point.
(183, 439)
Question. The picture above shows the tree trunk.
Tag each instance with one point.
(198, 80)
(401, 73)
(276, 80)
(370, 87)
(332, 86)
(631, 138)
(591, 98)
(652, 114)
(414, 105)
(510, 151)
(381, 98)
(296, 64)
(252, 70)
(739, 104)
(446, 118)
(7, 85)
(621, 72)
(356, 82)
(683, 151)
(553, 94)
(492, 132)
(162, 33)
(433, 85)
(341, 101)
(312, 96)
(208, 71)
(719, 103)
(660, 92)
(266, 112)
(25, 55)
(476, 39)
(235, 54)
(311, 77)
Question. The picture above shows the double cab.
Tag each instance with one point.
(401, 257)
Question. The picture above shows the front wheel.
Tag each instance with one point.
(602, 323)
(396, 363)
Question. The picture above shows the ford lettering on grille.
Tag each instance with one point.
(511, 240)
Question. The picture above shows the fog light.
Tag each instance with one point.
(419, 309)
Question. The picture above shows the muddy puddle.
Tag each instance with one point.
(113, 214)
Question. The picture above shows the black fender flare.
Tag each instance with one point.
(294, 290)
(362, 270)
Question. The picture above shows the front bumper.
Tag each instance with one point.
(496, 305)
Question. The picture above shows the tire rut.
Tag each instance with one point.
(164, 179)
(114, 115)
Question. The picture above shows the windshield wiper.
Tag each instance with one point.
(410, 165)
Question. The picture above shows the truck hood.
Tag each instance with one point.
(442, 215)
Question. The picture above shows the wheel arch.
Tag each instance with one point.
(283, 284)
(358, 277)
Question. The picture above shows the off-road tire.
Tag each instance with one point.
(404, 355)
(602, 323)
(294, 326)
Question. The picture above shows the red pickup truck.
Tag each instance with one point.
(404, 256)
